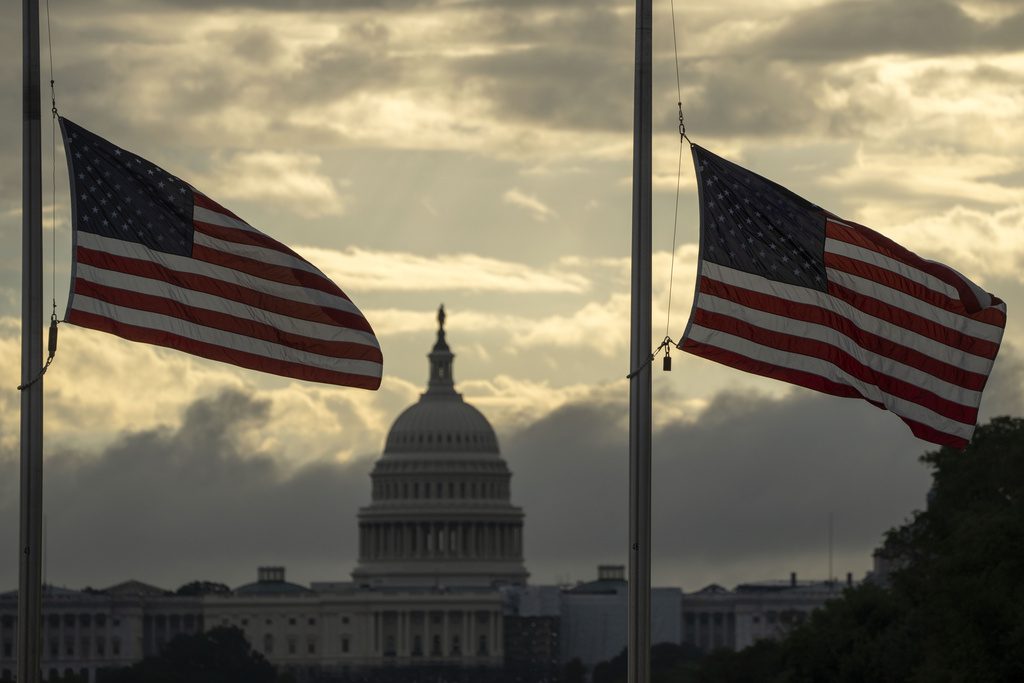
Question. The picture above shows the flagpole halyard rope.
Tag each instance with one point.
(53, 168)
(679, 177)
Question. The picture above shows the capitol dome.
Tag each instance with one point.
(440, 512)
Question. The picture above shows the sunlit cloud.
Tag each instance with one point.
(511, 403)
(980, 244)
(365, 270)
(285, 179)
(538, 209)
(100, 387)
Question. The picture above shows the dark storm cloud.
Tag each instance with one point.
(572, 68)
(850, 30)
(233, 68)
(170, 505)
(566, 68)
(381, 5)
(750, 485)
(344, 68)
(750, 97)
(300, 5)
(557, 87)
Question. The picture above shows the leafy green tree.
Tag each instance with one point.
(221, 655)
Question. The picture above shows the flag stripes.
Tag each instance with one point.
(240, 310)
(116, 254)
(215, 350)
(277, 329)
(906, 334)
(973, 297)
(827, 343)
(158, 262)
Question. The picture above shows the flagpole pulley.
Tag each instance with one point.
(51, 349)
(682, 125)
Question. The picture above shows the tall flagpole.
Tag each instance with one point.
(639, 644)
(30, 547)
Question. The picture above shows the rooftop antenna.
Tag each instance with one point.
(831, 576)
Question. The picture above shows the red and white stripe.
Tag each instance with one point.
(241, 298)
(909, 335)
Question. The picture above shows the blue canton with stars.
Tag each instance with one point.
(751, 224)
(120, 195)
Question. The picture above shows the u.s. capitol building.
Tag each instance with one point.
(440, 581)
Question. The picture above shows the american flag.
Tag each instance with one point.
(789, 291)
(157, 261)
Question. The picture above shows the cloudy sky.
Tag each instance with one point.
(479, 154)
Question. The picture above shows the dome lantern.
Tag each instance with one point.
(441, 380)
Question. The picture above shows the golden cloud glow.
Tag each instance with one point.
(368, 270)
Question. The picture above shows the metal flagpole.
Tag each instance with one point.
(30, 547)
(639, 644)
